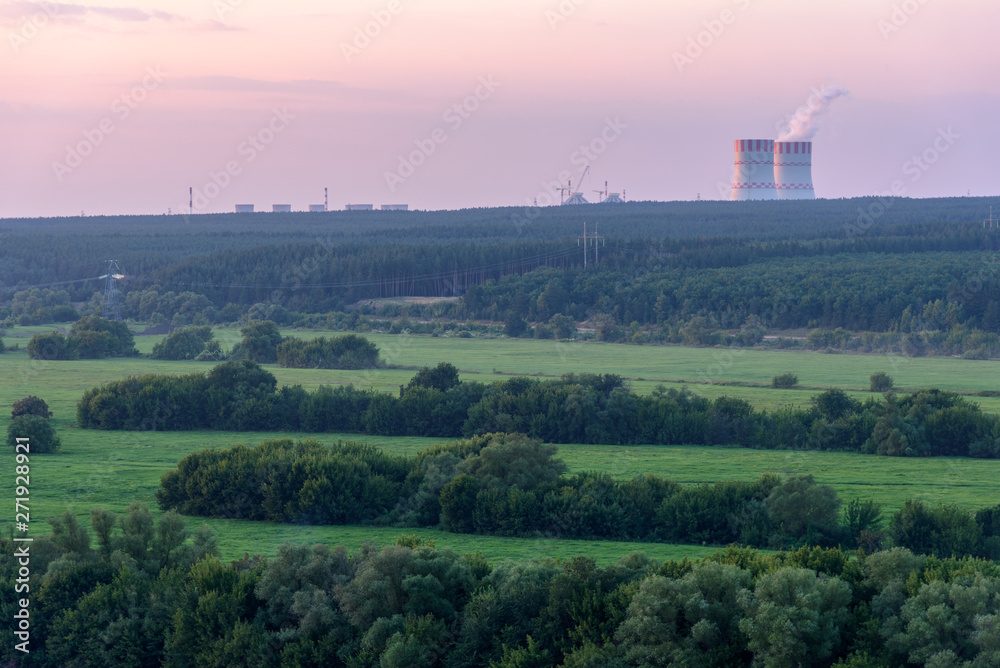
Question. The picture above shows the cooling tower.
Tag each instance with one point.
(754, 177)
(793, 169)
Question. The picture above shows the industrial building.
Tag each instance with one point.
(317, 208)
(282, 208)
(395, 207)
(360, 207)
(244, 208)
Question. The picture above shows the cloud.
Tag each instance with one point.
(13, 13)
(246, 85)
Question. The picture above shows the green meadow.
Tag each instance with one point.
(114, 469)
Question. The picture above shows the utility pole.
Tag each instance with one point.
(597, 239)
(989, 223)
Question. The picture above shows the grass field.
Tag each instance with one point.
(112, 469)
(485, 360)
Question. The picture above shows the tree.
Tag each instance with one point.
(862, 516)
(552, 300)
(442, 377)
(343, 352)
(515, 326)
(794, 617)
(834, 404)
(801, 509)
(238, 392)
(400, 580)
(260, 342)
(53, 346)
(690, 621)
(458, 503)
(185, 343)
(515, 460)
(31, 405)
(38, 430)
(785, 380)
(943, 531)
(945, 623)
(563, 326)
(99, 337)
(880, 381)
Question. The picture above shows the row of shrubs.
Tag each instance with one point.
(94, 338)
(510, 485)
(586, 408)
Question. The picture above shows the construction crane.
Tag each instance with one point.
(563, 190)
(576, 196)
(602, 194)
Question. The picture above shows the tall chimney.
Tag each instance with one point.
(754, 177)
(793, 169)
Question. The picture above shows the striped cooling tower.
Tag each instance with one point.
(793, 169)
(754, 177)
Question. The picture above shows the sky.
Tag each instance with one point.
(121, 107)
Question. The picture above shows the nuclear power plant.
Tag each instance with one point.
(766, 169)
(754, 176)
(793, 169)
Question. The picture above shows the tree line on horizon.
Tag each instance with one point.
(713, 270)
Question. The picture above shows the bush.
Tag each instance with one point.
(97, 338)
(53, 346)
(183, 344)
(880, 381)
(38, 430)
(31, 406)
(343, 352)
(785, 380)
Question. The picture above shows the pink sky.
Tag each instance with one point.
(162, 96)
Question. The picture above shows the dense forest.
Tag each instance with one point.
(148, 593)
(923, 274)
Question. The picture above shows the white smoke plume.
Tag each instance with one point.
(804, 123)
